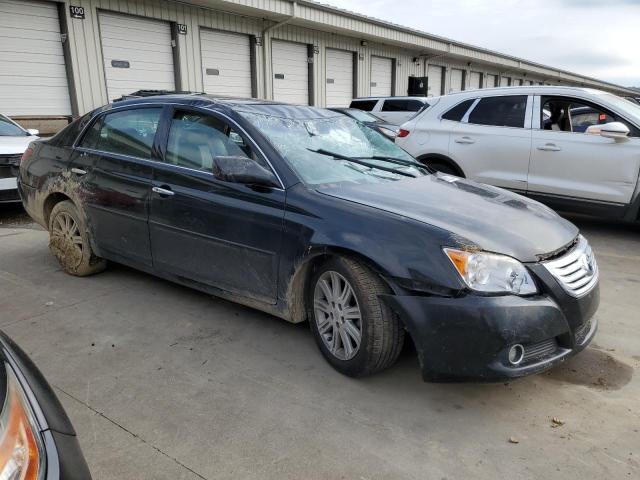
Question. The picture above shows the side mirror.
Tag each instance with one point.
(243, 170)
(33, 131)
(609, 130)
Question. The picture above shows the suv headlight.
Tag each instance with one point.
(20, 442)
(492, 273)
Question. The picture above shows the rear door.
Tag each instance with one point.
(113, 167)
(567, 162)
(493, 142)
(220, 234)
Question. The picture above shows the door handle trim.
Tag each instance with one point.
(549, 148)
(78, 171)
(465, 140)
(163, 191)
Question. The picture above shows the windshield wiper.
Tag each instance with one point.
(397, 161)
(338, 156)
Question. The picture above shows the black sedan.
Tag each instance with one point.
(387, 129)
(310, 215)
(37, 440)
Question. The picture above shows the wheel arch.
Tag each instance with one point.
(51, 201)
(442, 159)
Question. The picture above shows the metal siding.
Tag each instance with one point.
(145, 44)
(33, 80)
(229, 55)
(339, 78)
(290, 59)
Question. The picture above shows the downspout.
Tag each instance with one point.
(265, 49)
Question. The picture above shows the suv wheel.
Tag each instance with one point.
(69, 241)
(356, 332)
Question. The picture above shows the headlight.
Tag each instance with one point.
(20, 443)
(388, 132)
(491, 273)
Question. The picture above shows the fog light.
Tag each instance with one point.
(516, 354)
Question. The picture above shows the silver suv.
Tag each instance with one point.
(575, 149)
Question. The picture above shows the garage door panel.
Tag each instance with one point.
(339, 69)
(226, 63)
(145, 44)
(290, 59)
(33, 76)
(435, 80)
(381, 72)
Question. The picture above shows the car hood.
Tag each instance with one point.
(490, 218)
(15, 145)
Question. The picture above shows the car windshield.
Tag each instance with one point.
(319, 150)
(626, 107)
(362, 116)
(10, 129)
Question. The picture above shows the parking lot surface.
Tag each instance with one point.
(163, 382)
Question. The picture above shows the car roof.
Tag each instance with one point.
(524, 90)
(247, 105)
(422, 99)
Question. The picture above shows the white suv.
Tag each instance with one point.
(395, 110)
(575, 149)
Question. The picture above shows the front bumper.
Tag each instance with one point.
(63, 456)
(469, 337)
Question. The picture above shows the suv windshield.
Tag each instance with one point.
(319, 150)
(10, 129)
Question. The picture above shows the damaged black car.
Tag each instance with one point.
(307, 214)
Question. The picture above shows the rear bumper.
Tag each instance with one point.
(469, 337)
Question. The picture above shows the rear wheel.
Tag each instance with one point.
(69, 241)
(357, 333)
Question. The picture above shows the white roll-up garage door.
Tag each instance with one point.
(505, 81)
(475, 80)
(339, 65)
(33, 80)
(381, 76)
(434, 73)
(226, 63)
(290, 72)
(456, 80)
(137, 54)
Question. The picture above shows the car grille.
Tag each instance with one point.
(10, 159)
(537, 351)
(576, 271)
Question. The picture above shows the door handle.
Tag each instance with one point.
(549, 147)
(78, 171)
(163, 192)
(465, 140)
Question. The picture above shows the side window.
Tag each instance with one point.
(395, 106)
(365, 105)
(456, 114)
(507, 111)
(129, 132)
(195, 139)
(569, 115)
(415, 105)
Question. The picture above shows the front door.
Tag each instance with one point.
(222, 234)
(568, 162)
(493, 141)
(113, 167)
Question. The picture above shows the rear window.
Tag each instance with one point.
(401, 105)
(506, 111)
(365, 105)
(456, 114)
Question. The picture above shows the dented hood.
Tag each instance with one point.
(494, 219)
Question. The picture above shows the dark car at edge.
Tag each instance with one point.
(37, 440)
(307, 214)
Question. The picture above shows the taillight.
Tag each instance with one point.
(25, 156)
(403, 133)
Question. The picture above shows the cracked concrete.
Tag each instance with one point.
(162, 382)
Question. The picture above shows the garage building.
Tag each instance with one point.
(64, 58)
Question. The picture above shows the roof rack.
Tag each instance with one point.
(153, 93)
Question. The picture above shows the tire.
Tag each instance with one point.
(444, 168)
(381, 333)
(69, 241)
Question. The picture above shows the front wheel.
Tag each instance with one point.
(69, 241)
(357, 333)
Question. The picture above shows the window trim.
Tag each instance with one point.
(223, 118)
(537, 118)
(527, 113)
